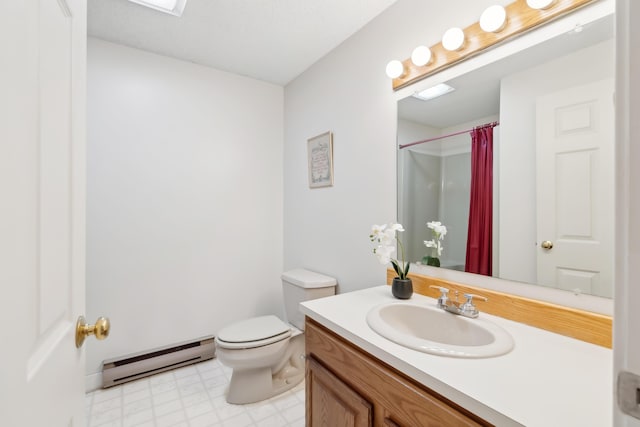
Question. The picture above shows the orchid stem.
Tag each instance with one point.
(403, 269)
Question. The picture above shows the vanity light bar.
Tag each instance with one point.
(172, 7)
(496, 25)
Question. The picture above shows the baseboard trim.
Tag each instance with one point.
(92, 382)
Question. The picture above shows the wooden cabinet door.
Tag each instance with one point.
(332, 403)
(388, 422)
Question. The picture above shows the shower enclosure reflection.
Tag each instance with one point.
(439, 189)
(436, 178)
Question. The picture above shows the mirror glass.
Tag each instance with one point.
(553, 163)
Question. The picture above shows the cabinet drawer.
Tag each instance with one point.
(397, 399)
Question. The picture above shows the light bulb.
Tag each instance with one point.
(539, 4)
(453, 39)
(421, 56)
(395, 69)
(493, 19)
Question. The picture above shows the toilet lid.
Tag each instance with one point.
(254, 329)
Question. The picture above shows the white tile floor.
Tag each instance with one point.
(192, 396)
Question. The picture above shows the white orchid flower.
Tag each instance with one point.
(396, 227)
(439, 231)
(383, 253)
(391, 231)
(438, 228)
(377, 232)
(434, 244)
(385, 235)
(388, 237)
(382, 234)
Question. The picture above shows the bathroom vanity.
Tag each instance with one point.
(357, 377)
(372, 393)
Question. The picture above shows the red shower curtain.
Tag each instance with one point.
(480, 233)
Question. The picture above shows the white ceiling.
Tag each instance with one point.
(270, 40)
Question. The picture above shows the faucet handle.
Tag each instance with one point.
(468, 309)
(444, 291)
(444, 296)
(470, 298)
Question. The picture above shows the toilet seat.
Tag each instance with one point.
(254, 332)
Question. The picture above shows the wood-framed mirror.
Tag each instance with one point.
(505, 85)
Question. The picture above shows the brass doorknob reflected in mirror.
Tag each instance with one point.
(83, 329)
(547, 244)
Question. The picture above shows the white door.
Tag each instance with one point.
(575, 140)
(42, 205)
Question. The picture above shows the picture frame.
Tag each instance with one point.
(320, 159)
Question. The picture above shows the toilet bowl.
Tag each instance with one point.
(265, 353)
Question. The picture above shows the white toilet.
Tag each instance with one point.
(266, 354)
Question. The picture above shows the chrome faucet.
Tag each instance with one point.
(466, 309)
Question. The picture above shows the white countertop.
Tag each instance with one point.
(546, 380)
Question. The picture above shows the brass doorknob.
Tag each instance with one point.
(547, 244)
(83, 330)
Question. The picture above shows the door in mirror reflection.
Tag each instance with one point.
(575, 207)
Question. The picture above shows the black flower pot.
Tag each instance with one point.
(402, 288)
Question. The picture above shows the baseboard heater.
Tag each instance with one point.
(144, 364)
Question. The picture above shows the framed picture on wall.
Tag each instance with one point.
(320, 157)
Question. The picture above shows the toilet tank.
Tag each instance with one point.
(303, 285)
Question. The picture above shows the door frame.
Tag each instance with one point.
(626, 341)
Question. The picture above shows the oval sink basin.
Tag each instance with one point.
(435, 331)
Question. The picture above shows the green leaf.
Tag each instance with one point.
(396, 268)
(432, 261)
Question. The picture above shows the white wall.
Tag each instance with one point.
(518, 94)
(185, 197)
(348, 93)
